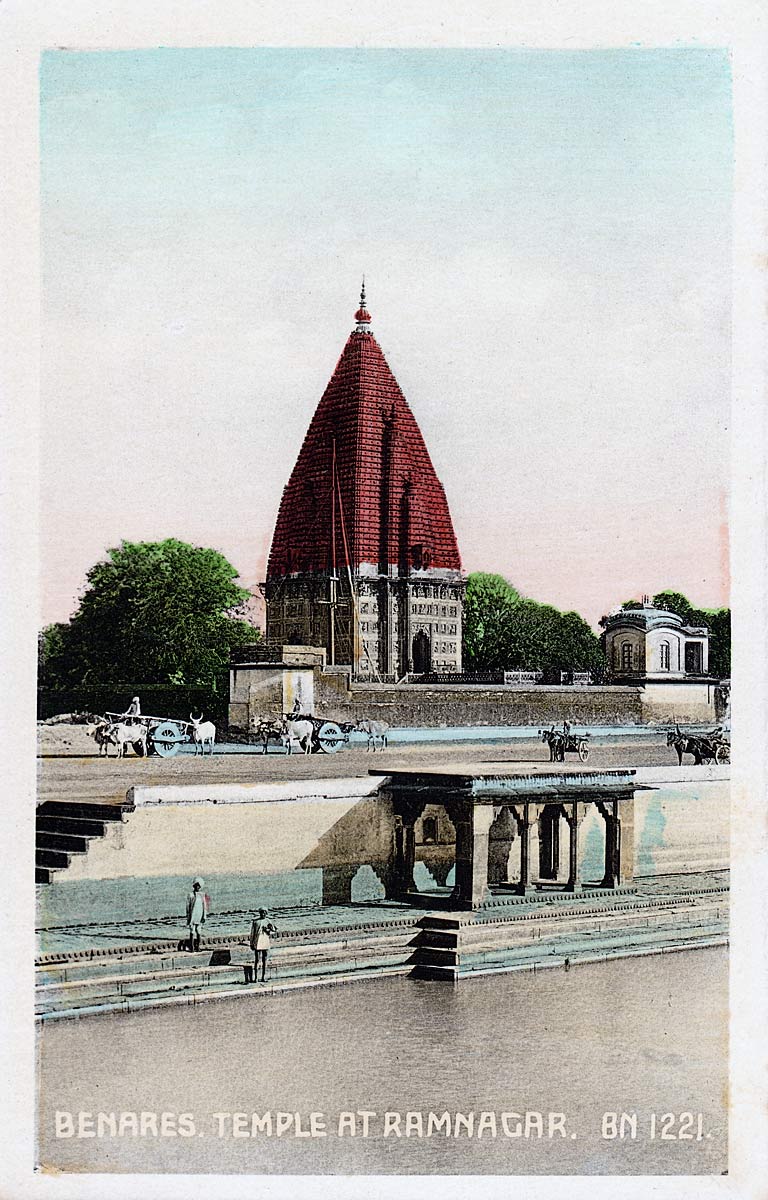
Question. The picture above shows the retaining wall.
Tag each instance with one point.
(259, 844)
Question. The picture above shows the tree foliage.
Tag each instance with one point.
(504, 630)
(151, 612)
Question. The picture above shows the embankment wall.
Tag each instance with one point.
(259, 845)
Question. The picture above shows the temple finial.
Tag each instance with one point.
(362, 316)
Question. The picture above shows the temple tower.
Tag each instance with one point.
(364, 560)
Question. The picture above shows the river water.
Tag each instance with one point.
(639, 1036)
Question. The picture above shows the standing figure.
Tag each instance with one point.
(198, 904)
(261, 928)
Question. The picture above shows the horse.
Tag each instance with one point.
(686, 743)
(556, 742)
(374, 729)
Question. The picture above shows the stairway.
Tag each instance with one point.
(437, 948)
(64, 828)
(135, 979)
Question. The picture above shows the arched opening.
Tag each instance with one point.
(421, 653)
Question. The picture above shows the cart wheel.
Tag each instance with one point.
(138, 748)
(583, 751)
(330, 738)
(722, 754)
(166, 739)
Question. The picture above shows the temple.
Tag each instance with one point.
(364, 560)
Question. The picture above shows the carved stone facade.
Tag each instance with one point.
(364, 560)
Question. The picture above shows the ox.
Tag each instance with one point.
(124, 736)
(302, 732)
(266, 731)
(375, 730)
(203, 734)
(101, 733)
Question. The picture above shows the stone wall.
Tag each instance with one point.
(305, 844)
(450, 705)
(258, 691)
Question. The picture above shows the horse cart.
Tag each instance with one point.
(714, 746)
(562, 742)
(164, 735)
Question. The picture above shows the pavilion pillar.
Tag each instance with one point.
(619, 841)
(522, 815)
(406, 814)
(472, 823)
(574, 817)
(626, 840)
(608, 811)
(549, 842)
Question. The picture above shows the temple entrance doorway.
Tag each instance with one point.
(421, 653)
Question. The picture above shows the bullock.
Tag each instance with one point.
(203, 734)
(101, 733)
(375, 730)
(268, 730)
(699, 746)
(302, 732)
(124, 736)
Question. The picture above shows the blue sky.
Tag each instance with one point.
(546, 237)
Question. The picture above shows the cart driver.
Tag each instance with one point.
(134, 708)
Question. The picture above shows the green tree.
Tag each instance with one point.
(487, 612)
(151, 612)
(504, 630)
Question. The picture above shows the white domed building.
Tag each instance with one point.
(655, 649)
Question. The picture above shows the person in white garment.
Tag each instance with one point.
(197, 911)
(261, 928)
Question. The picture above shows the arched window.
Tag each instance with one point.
(626, 656)
(664, 654)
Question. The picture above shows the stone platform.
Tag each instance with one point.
(356, 942)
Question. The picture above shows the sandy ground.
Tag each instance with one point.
(70, 769)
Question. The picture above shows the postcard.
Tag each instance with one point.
(399, 428)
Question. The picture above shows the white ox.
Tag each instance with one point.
(203, 734)
(301, 732)
(375, 730)
(124, 736)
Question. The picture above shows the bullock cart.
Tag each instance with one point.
(327, 736)
(164, 734)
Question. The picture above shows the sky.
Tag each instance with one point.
(545, 237)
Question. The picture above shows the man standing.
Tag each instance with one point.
(261, 928)
(197, 910)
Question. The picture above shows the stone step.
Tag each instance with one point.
(60, 841)
(51, 858)
(83, 810)
(584, 946)
(110, 990)
(50, 823)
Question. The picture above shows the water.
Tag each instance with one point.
(638, 1036)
